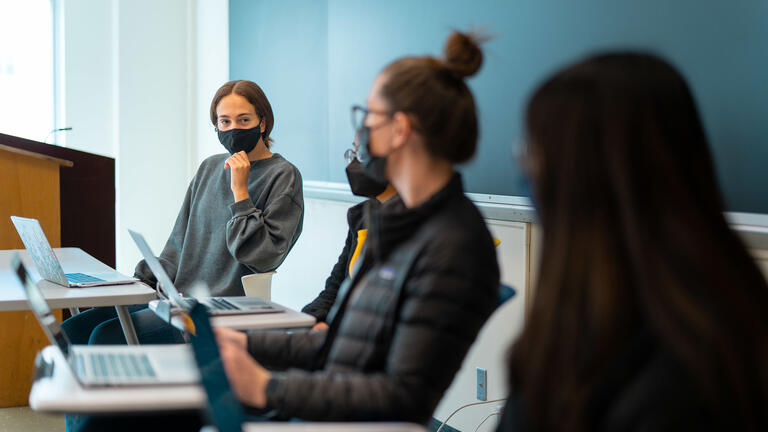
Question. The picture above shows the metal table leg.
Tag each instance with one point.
(127, 323)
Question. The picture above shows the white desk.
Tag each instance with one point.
(12, 297)
(287, 319)
(61, 393)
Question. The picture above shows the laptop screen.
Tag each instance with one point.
(39, 249)
(156, 267)
(40, 307)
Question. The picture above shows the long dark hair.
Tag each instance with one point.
(634, 243)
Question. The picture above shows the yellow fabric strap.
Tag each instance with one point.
(361, 235)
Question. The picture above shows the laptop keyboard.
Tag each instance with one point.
(218, 303)
(117, 365)
(82, 278)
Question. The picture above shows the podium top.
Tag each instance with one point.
(60, 162)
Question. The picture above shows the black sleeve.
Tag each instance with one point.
(320, 306)
(281, 349)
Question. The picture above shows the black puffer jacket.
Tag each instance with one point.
(320, 306)
(390, 356)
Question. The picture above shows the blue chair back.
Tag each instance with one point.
(506, 292)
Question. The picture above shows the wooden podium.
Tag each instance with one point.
(30, 188)
(72, 194)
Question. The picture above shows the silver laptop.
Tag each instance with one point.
(48, 265)
(110, 365)
(215, 305)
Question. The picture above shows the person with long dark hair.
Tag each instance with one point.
(648, 313)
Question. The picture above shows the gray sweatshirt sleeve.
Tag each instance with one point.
(261, 239)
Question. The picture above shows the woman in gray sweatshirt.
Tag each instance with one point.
(242, 213)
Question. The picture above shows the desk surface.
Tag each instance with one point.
(12, 296)
(61, 393)
(329, 427)
(289, 318)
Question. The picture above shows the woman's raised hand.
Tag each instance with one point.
(239, 166)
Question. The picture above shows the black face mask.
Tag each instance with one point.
(361, 183)
(237, 140)
(373, 166)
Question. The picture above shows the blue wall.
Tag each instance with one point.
(315, 58)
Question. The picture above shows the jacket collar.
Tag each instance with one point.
(356, 213)
(393, 223)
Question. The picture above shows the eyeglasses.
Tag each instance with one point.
(359, 148)
(350, 155)
(359, 113)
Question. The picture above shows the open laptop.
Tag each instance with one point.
(215, 305)
(110, 365)
(48, 265)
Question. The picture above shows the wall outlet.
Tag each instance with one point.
(482, 384)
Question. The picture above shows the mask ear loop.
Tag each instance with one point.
(264, 133)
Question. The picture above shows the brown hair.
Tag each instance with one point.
(255, 96)
(635, 248)
(433, 93)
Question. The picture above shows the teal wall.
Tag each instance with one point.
(315, 58)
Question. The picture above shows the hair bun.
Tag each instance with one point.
(463, 55)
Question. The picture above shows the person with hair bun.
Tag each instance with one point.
(427, 280)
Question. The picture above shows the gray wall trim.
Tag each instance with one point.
(752, 227)
(752, 219)
(330, 191)
(497, 207)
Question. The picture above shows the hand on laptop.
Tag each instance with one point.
(320, 326)
(239, 166)
(228, 335)
(247, 378)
